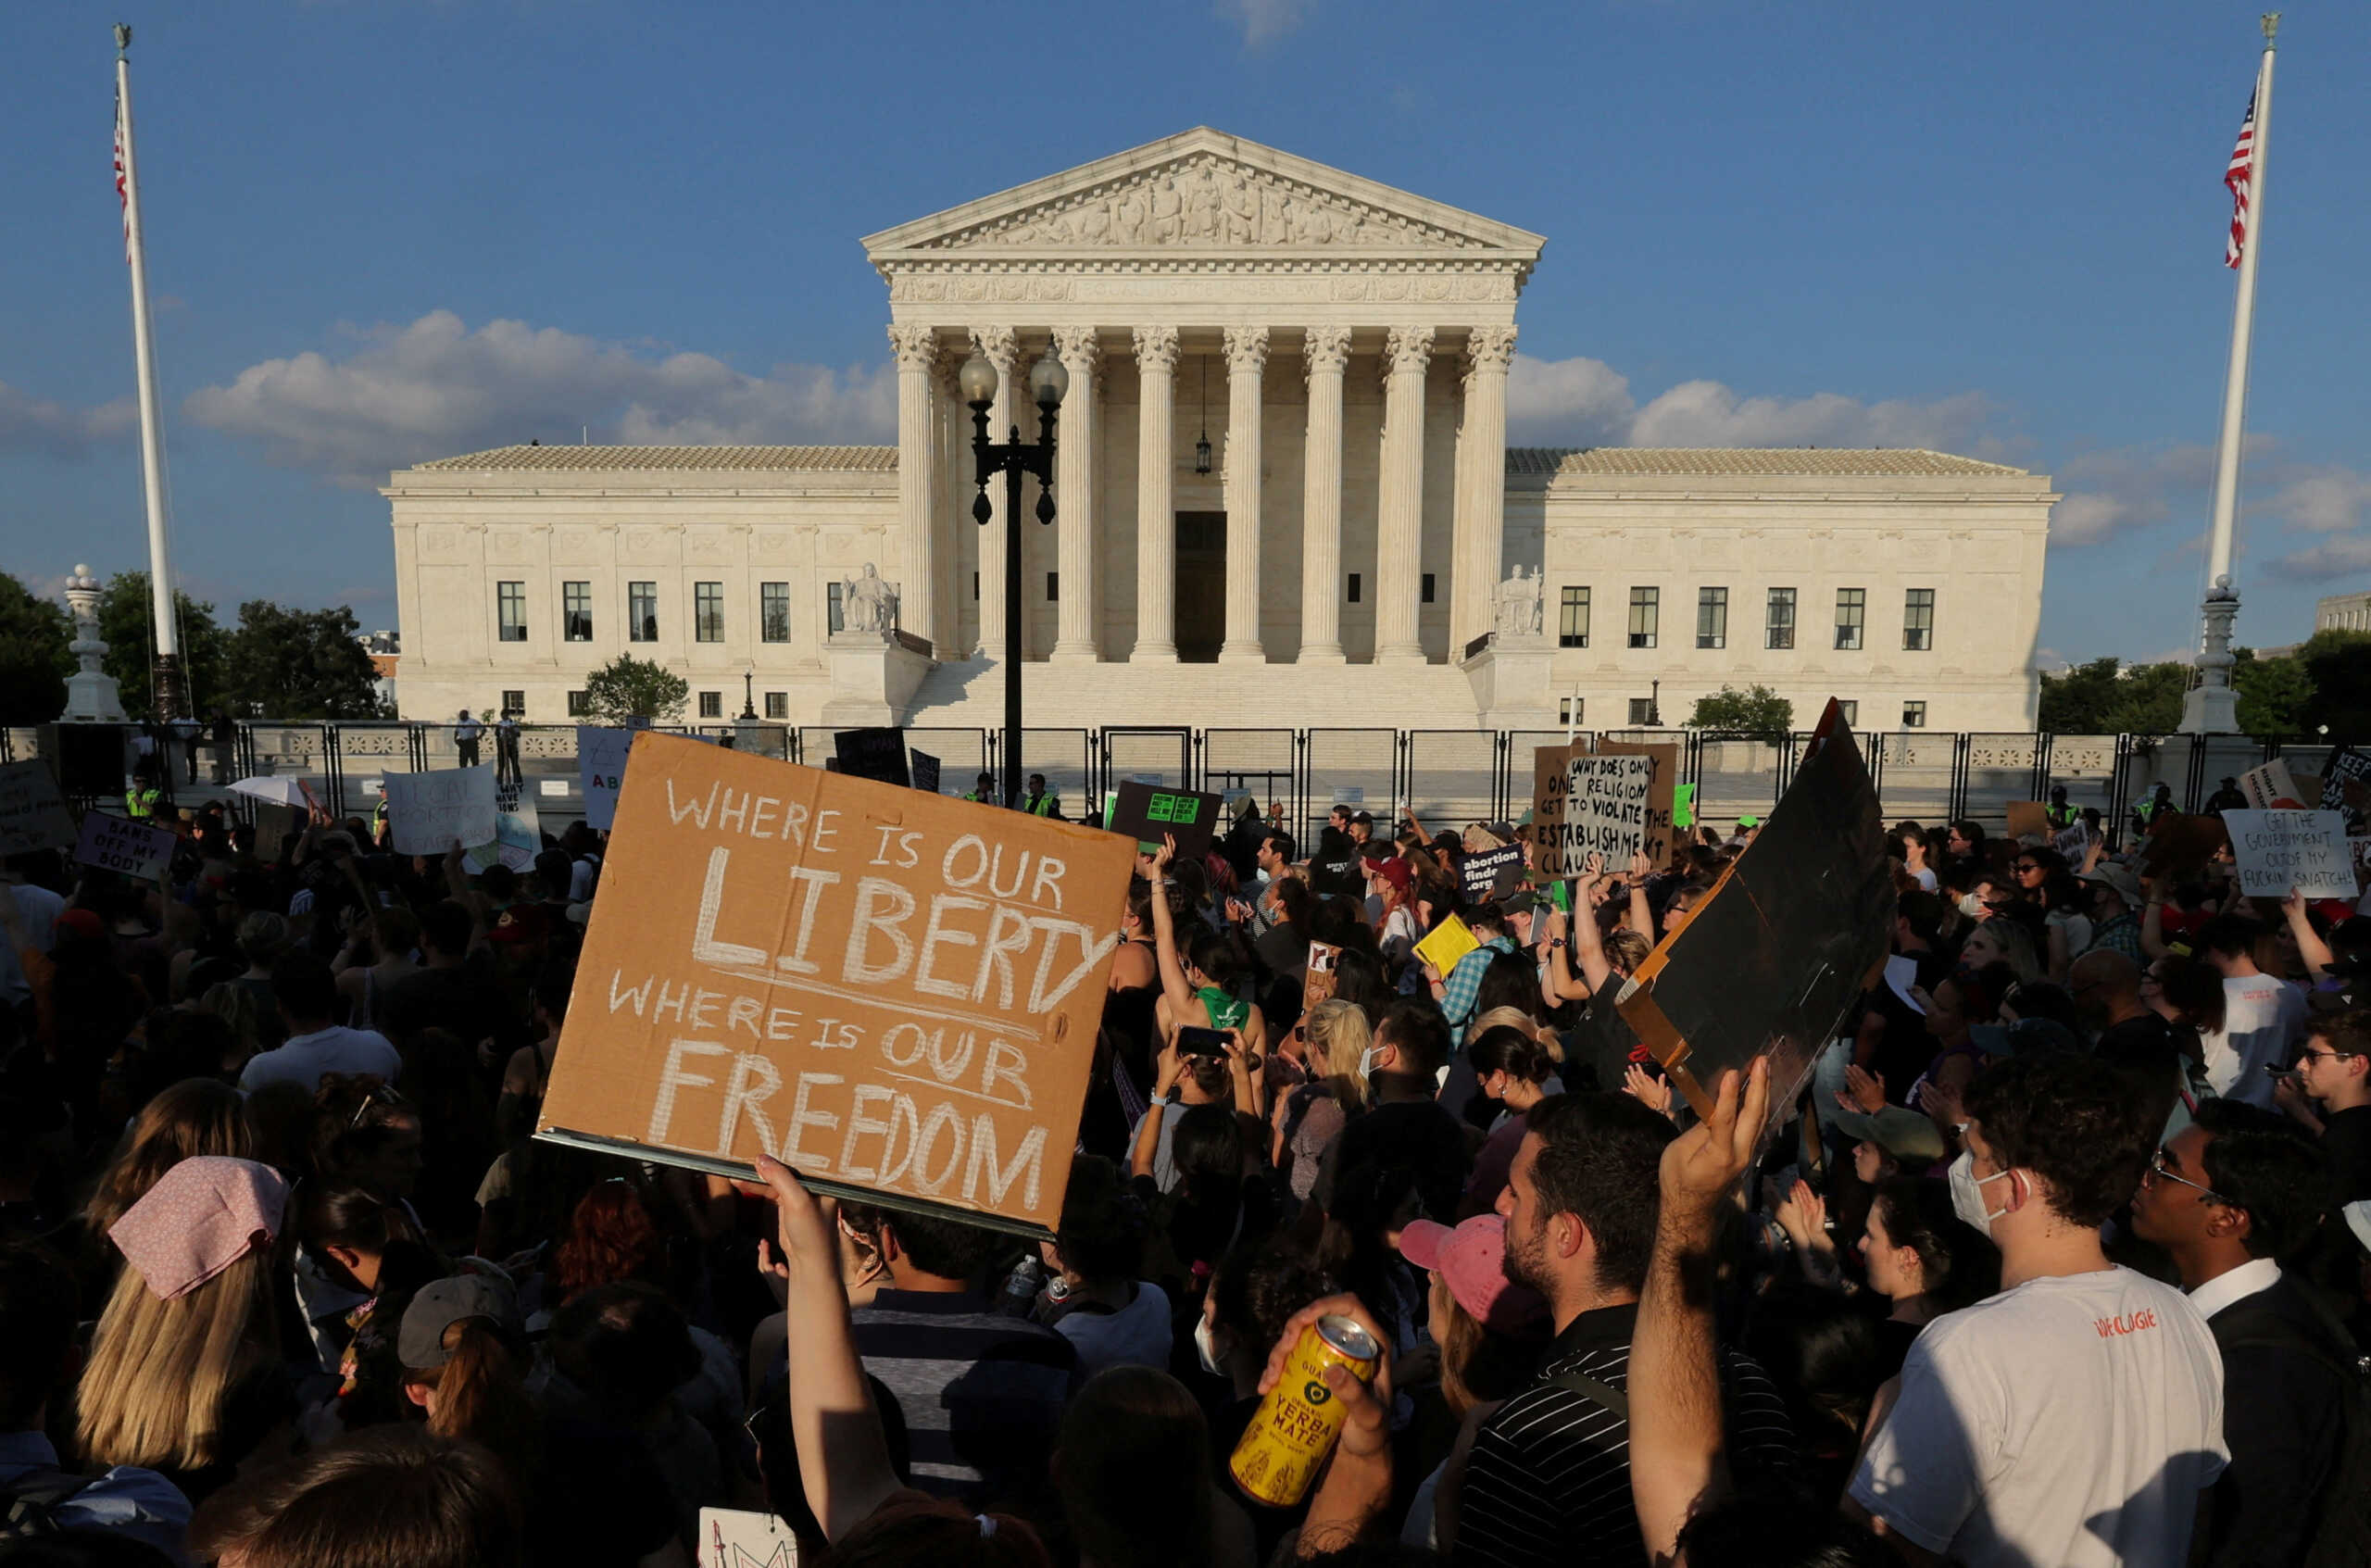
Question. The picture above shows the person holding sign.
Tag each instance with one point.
(1197, 987)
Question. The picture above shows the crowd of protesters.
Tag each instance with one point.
(2060, 1256)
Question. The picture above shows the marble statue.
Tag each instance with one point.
(1520, 604)
(868, 604)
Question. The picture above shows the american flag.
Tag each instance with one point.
(121, 195)
(2237, 177)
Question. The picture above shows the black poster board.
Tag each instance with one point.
(1146, 811)
(872, 754)
(925, 771)
(90, 759)
(1478, 873)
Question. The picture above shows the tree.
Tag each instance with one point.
(1755, 711)
(628, 687)
(2339, 665)
(2274, 694)
(33, 660)
(2103, 698)
(285, 663)
(128, 626)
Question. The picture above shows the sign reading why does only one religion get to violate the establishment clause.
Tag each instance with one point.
(895, 994)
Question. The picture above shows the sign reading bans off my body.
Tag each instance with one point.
(893, 993)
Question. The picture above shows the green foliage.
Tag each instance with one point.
(628, 687)
(1755, 711)
(2339, 666)
(33, 660)
(2276, 695)
(2103, 698)
(285, 663)
(127, 626)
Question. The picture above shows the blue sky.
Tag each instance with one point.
(387, 230)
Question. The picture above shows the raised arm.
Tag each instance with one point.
(1175, 987)
(2310, 946)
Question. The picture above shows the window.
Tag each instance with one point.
(510, 599)
(1780, 620)
(1354, 587)
(833, 621)
(515, 704)
(1426, 592)
(711, 704)
(1053, 587)
(576, 611)
(579, 704)
(1573, 620)
(1848, 711)
(641, 612)
(1646, 613)
(1711, 618)
(1569, 710)
(1642, 710)
(1852, 607)
(708, 612)
(1918, 620)
(1914, 715)
(777, 704)
(773, 612)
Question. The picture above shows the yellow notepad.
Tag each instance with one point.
(1449, 941)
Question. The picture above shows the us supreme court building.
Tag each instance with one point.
(1283, 495)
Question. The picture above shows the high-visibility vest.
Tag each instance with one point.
(1041, 805)
(140, 804)
(2060, 816)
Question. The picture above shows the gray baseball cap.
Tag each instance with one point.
(440, 1304)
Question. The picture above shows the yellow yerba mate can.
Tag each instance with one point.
(1297, 1424)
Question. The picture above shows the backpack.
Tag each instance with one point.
(2342, 1534)
(29, 1505)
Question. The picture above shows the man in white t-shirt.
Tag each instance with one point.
(2075, 1418)
(2263, 1016)
(37, 909)
(308, 996)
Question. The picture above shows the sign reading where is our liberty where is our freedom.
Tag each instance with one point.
(895, 994)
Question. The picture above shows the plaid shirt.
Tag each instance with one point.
(1464, 987)
(2121, 935)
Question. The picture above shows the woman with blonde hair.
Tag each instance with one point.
(1335, 1039)
(195, 1117)
(187, 1375)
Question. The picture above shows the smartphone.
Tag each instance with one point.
(1193, 1041)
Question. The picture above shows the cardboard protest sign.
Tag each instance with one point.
(1144, 812)
(874, 754)
(1797, 927)
(2348, 771)
(923, 768)
(119, 843)
(91, 757)
(1662, 798)
(741, 1537)
(1683, 804)
(1318, 979)
(895, 994)
(2028, 817)
(2269, 788)
(1446, 942)
(1478, 873)
(2180, 845)
(1549, 785)
(1606, 802)
(518, 833)
(600, 766)
(32, 813)
(430, 811)
(2277, 850)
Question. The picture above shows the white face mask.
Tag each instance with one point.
(1367, 1059)
(1208, 1349)
(1967, 1193)
(1971, 906)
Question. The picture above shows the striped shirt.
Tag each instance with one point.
(982, 1393)
(1548, 1482)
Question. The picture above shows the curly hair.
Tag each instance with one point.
(611, 1239)
(2071, 1121)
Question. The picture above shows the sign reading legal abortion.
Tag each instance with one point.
(895, 994)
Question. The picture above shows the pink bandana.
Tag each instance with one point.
(201, 1217)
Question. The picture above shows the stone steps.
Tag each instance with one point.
(970, 691)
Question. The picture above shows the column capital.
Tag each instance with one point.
(1409, 350)
(1326, 348)
(1246, 350)
(916, 347)
(1490, 349)
(1077, 349)
(1000, 346)
(1156, 348)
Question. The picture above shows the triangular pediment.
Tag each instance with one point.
(1209, 193)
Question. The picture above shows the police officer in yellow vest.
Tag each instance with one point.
(1039, 802)
(984, 790)
(2061, 814)
(140, 802)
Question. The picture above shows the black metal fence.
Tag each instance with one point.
(1449, 777)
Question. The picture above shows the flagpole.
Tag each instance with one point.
(2212, 707)
(167, 679)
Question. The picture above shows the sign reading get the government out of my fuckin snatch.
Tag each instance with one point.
(895, 994)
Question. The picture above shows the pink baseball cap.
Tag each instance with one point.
(1472, 1258)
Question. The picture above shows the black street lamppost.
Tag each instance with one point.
(1654, 705)
(1012, 458)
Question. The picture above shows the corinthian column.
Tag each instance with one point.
(1327, 350)
(1481, 486)
(1075, 521)
(1004, 352)
(1400, 520)
(1247, 357)
(1156, 499)
(917, 349)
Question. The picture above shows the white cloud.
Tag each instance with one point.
(2324, 500)
(435, 388)
(2112, 490)
(37, 424)
(1587, 402)
(2340, 558)
(1263, 21)
(1575, 402)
